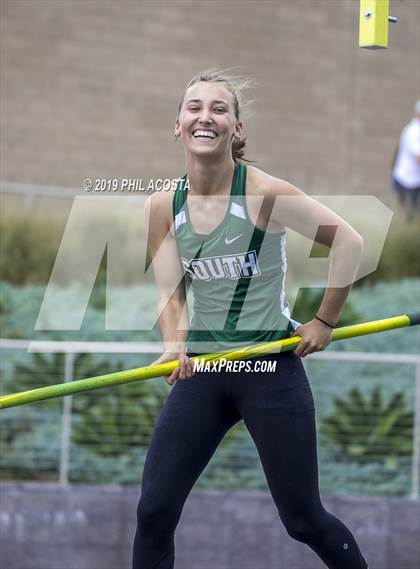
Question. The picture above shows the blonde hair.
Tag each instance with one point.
(235, 85)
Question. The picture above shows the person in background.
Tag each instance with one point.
(406, 166)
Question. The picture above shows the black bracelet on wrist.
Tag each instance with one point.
(324, 322)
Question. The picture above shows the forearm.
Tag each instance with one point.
(332, 304)
(345, 261)
(173, 324)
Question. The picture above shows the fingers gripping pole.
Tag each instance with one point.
(374, 21)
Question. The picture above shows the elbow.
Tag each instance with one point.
(169, 301)
(349, 240)
(350, 245)
(357, 242)
(354, 247)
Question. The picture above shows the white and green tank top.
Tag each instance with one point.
(237, 275)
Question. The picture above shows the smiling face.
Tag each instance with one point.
(207, 123)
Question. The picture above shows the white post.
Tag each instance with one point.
(66, 422)
(416, 439)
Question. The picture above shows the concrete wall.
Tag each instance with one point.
(90, 89)
(91, 527)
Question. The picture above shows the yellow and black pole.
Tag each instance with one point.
(148, 372)
(374, 21)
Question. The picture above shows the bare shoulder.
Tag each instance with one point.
(304, 215)
(262, 192)
(160, 201)
(158, 207)
(263, 184)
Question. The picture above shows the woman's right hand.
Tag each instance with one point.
(183, 371)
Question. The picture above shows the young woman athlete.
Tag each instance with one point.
(222, 232)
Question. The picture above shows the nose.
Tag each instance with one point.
(205, 116)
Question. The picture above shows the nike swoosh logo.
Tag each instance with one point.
(229, 241)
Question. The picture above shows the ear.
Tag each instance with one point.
(239, 129)
(177, 130)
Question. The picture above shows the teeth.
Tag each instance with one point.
(207, 133)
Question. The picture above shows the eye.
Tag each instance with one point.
(220, 109)
(194, 108)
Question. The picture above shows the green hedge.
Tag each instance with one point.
(28, 248)
(400, 256)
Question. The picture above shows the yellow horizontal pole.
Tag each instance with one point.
(158, 370)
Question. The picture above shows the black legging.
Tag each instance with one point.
(278, 411)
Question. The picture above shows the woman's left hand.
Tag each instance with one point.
(315, 337)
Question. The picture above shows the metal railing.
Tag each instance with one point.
(71, 349)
